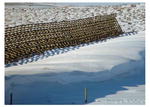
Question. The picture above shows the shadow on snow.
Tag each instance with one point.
(40, 89)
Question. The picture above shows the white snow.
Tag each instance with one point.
(92, 58)
(133, 95)
(131, 17)
(90, 64)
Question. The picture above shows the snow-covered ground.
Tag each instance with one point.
(113, 71)
(131, 17)
(104, 68)
(130, 95)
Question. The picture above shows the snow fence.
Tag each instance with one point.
(24, 41)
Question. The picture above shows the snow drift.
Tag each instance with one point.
(92, 63)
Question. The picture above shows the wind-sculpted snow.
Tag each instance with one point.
(104, 56)
(58, 51)
(121, 58)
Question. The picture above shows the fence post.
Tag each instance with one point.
(11, 98)
(85, 95)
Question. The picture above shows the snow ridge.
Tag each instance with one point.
(58, 51)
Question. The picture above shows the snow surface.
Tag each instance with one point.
(130, 95)
(131, 17)
(108, 69)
